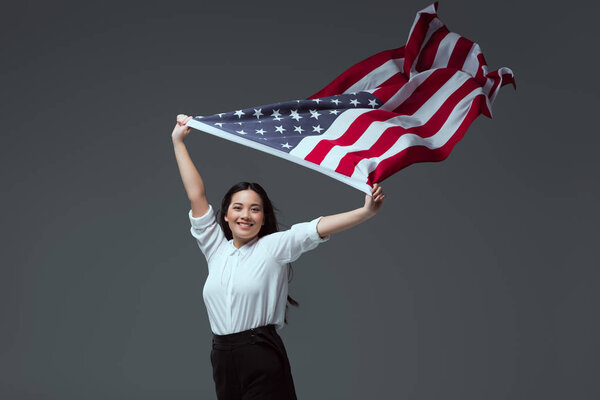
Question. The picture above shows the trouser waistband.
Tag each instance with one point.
(247, 336)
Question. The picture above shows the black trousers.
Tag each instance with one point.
(252, 365)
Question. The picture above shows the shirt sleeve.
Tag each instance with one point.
(207, 232)
(287, 246)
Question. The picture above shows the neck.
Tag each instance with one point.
(237, 242)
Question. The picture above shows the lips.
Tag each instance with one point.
(244, 226)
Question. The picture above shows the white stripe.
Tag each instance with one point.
(335, 130)
(471, 65)
(359, 184)
(377, 76)
(456, 117)
(444, 51)
(493, 95)
(376, 129)
(406, 91)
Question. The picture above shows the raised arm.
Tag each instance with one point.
(340, 222)
(194, 186)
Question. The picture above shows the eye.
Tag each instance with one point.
(256, 209)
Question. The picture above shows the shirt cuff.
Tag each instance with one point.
(204, 220)
(314, 234)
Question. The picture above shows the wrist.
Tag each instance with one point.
(367, 212)
(177, 141)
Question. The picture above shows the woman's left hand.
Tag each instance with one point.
(373, 203)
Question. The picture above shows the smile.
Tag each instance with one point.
(244, 225)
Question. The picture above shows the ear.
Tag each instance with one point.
(225, 218)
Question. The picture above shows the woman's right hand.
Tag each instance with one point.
(181, 131)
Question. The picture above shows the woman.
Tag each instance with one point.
(246, 289)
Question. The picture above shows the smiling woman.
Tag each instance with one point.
(246, 291)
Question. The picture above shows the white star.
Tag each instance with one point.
(373, 103)
(239, 123)
(286, 145)
(219, 123)
(294, 115)
(220, 115)
(314, 114)
(317, 100)
(241, 132)
(276, 115)
(239, 113)
(298, 129)
(257, 113)
(334, 112)
(317, 129)
(279, 129)
(261, 131)
(336, 101)
(355, 102)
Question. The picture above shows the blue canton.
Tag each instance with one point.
(283, 125)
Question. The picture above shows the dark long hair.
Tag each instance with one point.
(270, 226)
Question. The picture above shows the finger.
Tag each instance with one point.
(187, 120)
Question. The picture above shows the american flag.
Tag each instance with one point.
(395, 108)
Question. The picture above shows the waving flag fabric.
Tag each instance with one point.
(398, 107)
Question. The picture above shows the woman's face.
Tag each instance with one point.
(245, 216)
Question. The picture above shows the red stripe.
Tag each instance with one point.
(508, 78)
(424, 91)
(496, 78)
(352, 134)
(391, 135)
(460, 53)
(416, 154)
(428, 53)
(390, 87)
(355, 73)
(479, 77)
(417, 36)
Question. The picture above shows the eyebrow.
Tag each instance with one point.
(251, 205)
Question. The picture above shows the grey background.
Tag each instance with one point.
(477, 280)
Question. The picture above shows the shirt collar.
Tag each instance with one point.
(231, 250)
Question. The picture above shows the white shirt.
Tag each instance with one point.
(248, 287)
